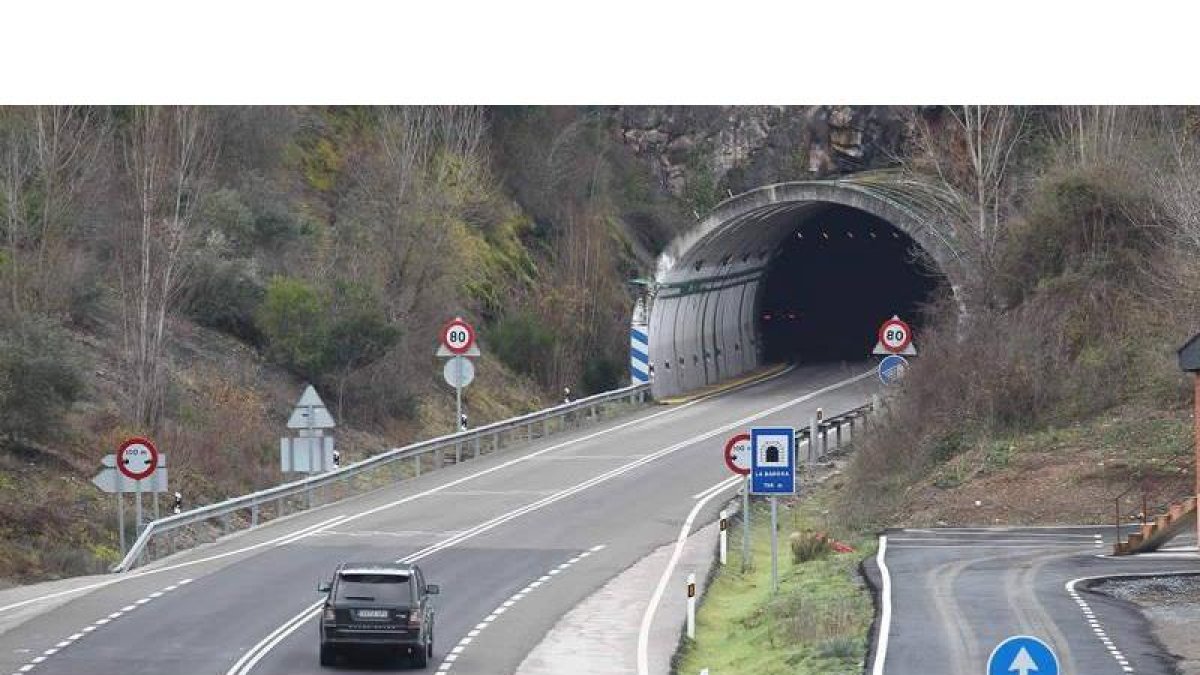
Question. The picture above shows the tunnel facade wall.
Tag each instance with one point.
(703, 317)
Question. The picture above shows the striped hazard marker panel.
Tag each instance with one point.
(639, 355)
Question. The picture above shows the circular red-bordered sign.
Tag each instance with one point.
(737, 454)
(895, 335)
(458, 336)
(137, 458)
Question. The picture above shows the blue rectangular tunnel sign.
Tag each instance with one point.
(773, 461)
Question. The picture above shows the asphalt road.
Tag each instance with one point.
(515, 540)
(956, 593)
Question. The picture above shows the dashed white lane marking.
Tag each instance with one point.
(448, 662)
(1097, 628)
(72, 638)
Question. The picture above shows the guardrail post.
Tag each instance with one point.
(476, 443)
(529, 433)
(254, 514)
(545, 427)
(279, 507)
(838, 429)
(417, 464)
(813, 434)
(458, 452)
(496, 441)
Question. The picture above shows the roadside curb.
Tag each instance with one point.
(714, 390)
(873, 578)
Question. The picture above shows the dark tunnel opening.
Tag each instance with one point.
(834, 280)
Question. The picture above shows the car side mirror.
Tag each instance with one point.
(432, 589)
(323, 587)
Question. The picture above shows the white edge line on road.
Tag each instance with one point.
(885, 604)
(716, 488)
(262, 648)
(643, 646)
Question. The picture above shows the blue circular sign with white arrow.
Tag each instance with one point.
(891, 369)
(1023, 655)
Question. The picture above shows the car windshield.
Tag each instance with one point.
(385, 589)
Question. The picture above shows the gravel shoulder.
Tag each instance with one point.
(1172, 605)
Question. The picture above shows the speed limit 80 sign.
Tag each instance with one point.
(458, 336)
(895, 335)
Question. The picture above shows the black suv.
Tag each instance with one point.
(377, 605)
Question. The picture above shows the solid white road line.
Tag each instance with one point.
(643, 647)
(885, 612)
(718, 487)
(263, 647)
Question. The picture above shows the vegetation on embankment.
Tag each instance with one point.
(181, 272)
(817, 622)
(1053, 388)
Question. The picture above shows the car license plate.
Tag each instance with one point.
(373, 614)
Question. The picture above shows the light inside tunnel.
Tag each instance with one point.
(831, 284)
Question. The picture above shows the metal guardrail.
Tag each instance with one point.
(314, 490)
(820, 449)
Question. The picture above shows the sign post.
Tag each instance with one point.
(458, 342)
(773, 472)
(118, 469)
(737, 458)
(137, 459)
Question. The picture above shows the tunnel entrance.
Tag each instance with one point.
(834, 280)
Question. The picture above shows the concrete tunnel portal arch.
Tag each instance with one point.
(802, 271)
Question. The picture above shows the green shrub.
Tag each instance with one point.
(601, 374)
(809, 546)
(318, 334)
(224, 295)
(524, 344)
(40, 378)
(292, 320)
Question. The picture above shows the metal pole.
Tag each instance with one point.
(458, 377)
(746, 524)
(121, 509)
(774, 544)
(138, 501)
(156, 502)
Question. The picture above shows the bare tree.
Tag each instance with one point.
(168, 154)
(48, 155)
(964, 159)
(1098, 134)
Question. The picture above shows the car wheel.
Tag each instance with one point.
(421, 658)
(328, 656)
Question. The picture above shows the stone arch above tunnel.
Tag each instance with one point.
(702, 321)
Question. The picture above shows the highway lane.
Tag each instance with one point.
(485, 530)
(956, 593)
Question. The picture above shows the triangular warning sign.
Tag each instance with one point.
(310, 412)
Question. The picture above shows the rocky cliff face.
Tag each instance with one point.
(737, 148)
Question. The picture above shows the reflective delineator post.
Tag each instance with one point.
(691, 606)
(724, 537)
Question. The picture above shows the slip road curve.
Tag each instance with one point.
(484, 530)
(949, 596)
